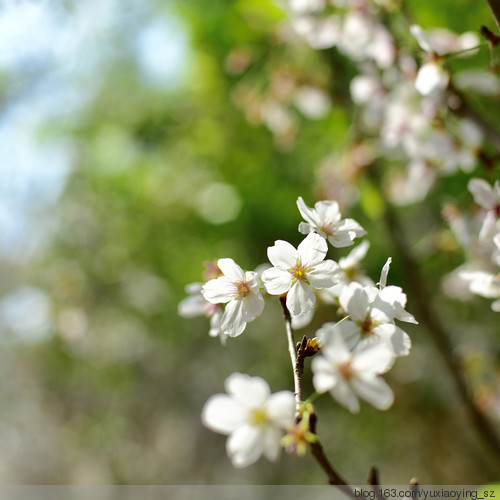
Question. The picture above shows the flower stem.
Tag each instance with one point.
(297, 382)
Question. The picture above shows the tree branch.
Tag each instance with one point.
(495, 8)
(298, 369)
(428, 317)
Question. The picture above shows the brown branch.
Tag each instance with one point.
(495, 8)
(298, 369)
(428, 317)
(466, 110)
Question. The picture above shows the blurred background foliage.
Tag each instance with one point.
(133, 151)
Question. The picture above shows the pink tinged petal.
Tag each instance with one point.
(482, 193)
(271, 441)
(215, 322)
(343, 393)
(280, 408)
(244, 447)
(233, 322)
(374, 391)
(372, 357)
(220, 290)
(312, 250)
(324, 275)
(253, 305)
(231, 270)
(192, 306)
(277, 281)
(282, 255)
(398, 339)
(251, 392)
(308, 213)
(223, 414)
(300, 298)
(193, 288)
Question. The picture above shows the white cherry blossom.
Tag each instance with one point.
(325, 219)
(297, 271)
(372, 312)
(351, 375)
(350, 270)
(240, 291)
(431, 77)
(252, 417)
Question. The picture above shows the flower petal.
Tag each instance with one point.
(312, 250)
(300, 298)
(328, 212)
(223, 414)
(245, 446)
(282, 255)
(271, 441)
(231, 270)
(220, 290)
(354, 300)
(276, 281)
(281, 408)
(343, 393)
(374, 391)
(482, 193)
(324, 374)
(253, 305)
(233, 322)
(398, 339)
(308, 213)
(373, 357)
(251, 392)
(324, 275)
(353, 227)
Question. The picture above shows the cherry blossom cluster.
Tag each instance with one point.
(480, 237)
(350, 355)
(409, 100)
(404, 99)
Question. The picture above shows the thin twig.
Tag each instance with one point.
(297, 383)
(464, 109)
(298, 368)
(428, 317)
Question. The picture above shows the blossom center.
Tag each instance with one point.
(258, 417)
(299, 271)
(242, 289)
(327, 228)
(346, 370)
